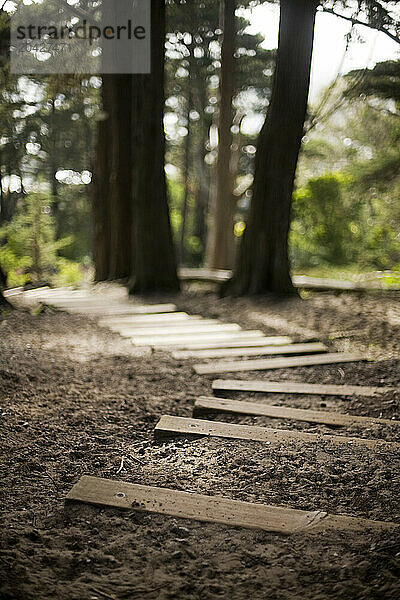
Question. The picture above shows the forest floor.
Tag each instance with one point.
(76, 398)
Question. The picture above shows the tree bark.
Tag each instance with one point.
(184, 211)
(101, 187)
(121, 178)
(220, 245)
(263, 264)
(154, 262)
(4, 303)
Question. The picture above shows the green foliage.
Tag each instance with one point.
(29, 250)
(75, 221)
(333, 225)
(321, 231)
(69, 273)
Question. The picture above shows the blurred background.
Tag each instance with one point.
(346, 206)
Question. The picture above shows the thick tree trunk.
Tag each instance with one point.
(154, 262)
(121, 179)
(101, 186)
(220, 244)
(3, 282)
(263, 262)
(4, 303)
(184, 211)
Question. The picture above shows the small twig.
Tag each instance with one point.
(103, 593)
(121, 466)
(132, 591)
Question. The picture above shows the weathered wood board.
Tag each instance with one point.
(205, 405)
(261, 350)
(276, 363)
(182, 426)
(212, 509)
(241, 343)
(152, 319)
(107, 309)
(289, 387)
(208, 275)
(179, 341)
(189, 329)
(299, 281)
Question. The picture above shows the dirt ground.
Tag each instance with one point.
(77, 399)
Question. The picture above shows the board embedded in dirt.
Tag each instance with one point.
(205, 405)
(289, 387)
(276, 363)
(190, 338)
(260, 351)
(169, 426)
(214, 509)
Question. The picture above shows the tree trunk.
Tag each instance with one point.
(53, 168)
(3, 282)
(101, 186)
(121, 178)
(186, 182)
(263, 262)
(220, 245)
(154, 262)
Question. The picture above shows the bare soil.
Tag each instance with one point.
(77, 399)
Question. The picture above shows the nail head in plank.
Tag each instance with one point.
(289, 387)
(276, 363)
(262, 350)
(169, 426)
(205, 405)
(212, 509)
(184, 339)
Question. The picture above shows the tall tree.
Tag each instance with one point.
(263, 264)
(220, 242)
(3, 301)
(101, 185)
(154, 262)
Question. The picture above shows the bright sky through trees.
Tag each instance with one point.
(329, 45)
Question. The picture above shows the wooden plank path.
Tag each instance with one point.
(129, 496)
(261, 350)
(289, 387)
(169, 426)
(276, 363)
(181, 341)
(162, 325)
(205, 405)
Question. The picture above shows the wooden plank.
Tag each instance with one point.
(205, 405)
(179, 341)
(212, 509)
(261, 350)
(107, 310)
(171, 426)
(152, 319)
(277, 363)
(289, 387)
(209, 275)
(276, 340)
(299, 281)
(171, 330)
(157, 328)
